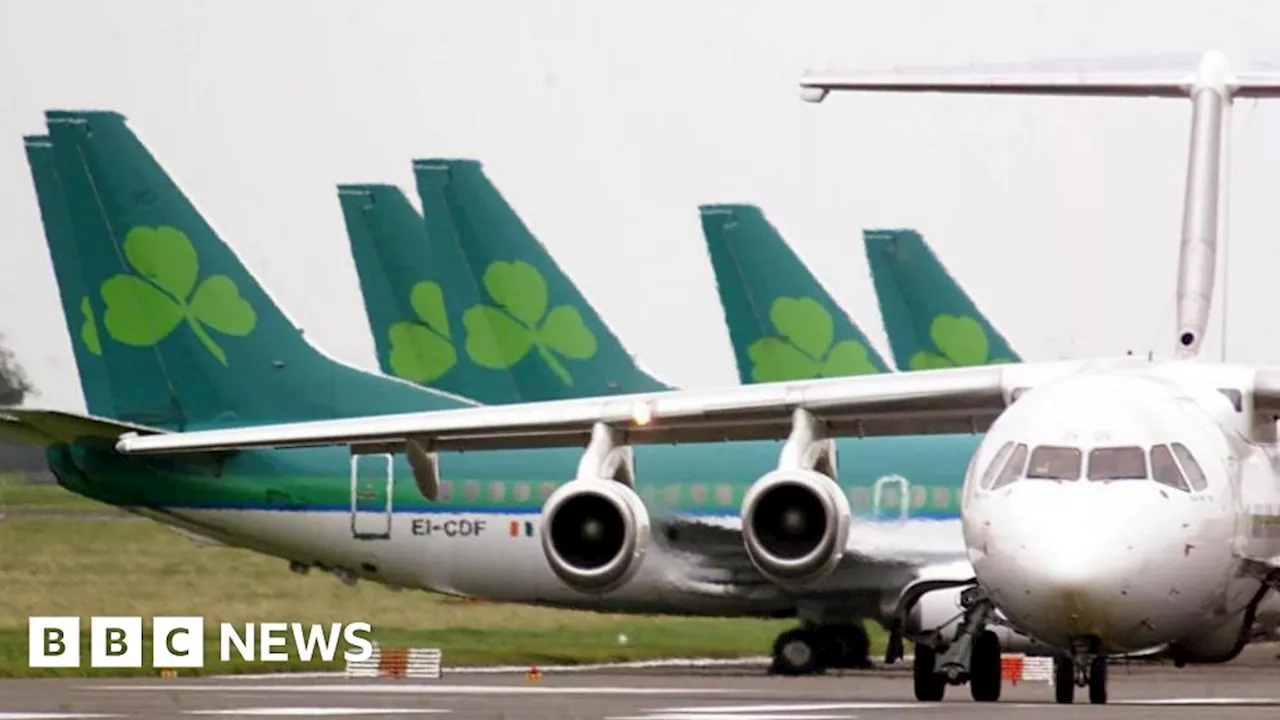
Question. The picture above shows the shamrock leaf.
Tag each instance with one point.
(89, 329)
(960, 341)
(423, 352)
(145, 308)
(500, 335)
(418, 354)
(804, 349)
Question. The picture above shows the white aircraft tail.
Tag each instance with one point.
(1211, 88)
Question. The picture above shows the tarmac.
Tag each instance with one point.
(1247, 686)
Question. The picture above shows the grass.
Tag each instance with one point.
(17, 495)
(68, 565)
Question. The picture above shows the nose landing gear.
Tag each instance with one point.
(1086, 668)
(972, 656)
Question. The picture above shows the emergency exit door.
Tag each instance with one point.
(372, 480)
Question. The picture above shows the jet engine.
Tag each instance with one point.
(595, 533)
(795, 525)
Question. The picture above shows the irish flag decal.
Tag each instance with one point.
(517, 526)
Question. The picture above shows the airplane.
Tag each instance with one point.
(930, 320)
(174, 334)
(783, 323)
(465, 271)
(1112, 505)
(470, 225)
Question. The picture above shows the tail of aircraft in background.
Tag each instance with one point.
(161, 311)
(930, 320)
(511, 311)
(783, 324)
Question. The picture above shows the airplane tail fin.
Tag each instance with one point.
(930, 320)
(524, 315)
(415, 289)
(176, 332)
(783, 323)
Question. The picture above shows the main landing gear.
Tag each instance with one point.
(812, 649)
(972, 656)
(1085, 669)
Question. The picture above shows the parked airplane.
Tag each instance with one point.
(783, 324)
(177, 335)
(930, 320)
(1113, 505)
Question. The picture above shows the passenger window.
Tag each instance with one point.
(1013, 469)
(997, 464)
(1165, 470)
(1049, 462)
(497, 491)
(1117, 463)
(1195, 476)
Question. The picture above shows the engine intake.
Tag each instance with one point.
(795, 525)
(595, 533)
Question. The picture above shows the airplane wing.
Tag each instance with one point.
(953, 400)
(42, 427)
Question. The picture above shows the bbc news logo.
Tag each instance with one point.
(178, 642)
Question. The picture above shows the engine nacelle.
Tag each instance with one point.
(940, 610)
(795, 525)
(594, 534)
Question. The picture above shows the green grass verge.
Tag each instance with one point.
(17, 495)
(85, 567)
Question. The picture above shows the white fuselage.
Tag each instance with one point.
(1073, 554)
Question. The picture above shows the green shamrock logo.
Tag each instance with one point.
(804, 347)
(960, 341)
(144, 309)
(423, 352)
(89, 329)
(500, 336)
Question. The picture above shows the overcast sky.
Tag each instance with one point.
(607, 123)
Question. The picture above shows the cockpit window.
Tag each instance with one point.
(1165, 470)
(1049, 462)
(997, 464)
(1190, 467)
(1117, 463)
(1014, 468)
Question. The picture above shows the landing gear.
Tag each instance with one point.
(972, 656)
(812, 649)
(1088, 671)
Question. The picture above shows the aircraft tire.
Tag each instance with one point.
(1064, 680)
(985, 678)
(797, 652)
(845, 646)
(1098, 681)
(929, 685)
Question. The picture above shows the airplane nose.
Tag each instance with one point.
(1074, 561)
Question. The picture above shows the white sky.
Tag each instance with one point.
(607, 123)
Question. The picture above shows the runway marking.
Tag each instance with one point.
(315, 711)
(427, 689)
(732, 716)
(51, 716)
(798, 707)
(1200, 701)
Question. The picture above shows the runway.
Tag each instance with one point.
(1247, 687)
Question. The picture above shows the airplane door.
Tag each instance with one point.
(901, 489)
(372, 479)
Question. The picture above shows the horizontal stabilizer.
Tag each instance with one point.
(1010, 80)
(46, 427)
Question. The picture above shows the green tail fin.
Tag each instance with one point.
(930, 320)
(783, 324)
(82, 323)
(413, 289)
(188, 336)
(518, 310)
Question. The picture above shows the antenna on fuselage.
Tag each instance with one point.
(1212, 87)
